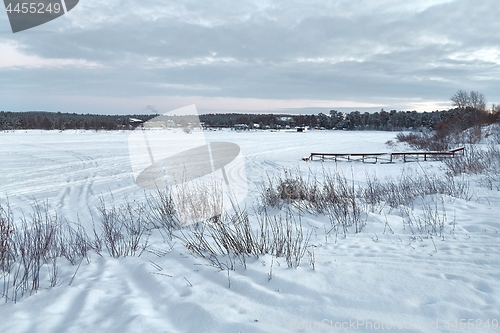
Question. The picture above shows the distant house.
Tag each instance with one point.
(135, 121)
(241, 127)
(299, 129)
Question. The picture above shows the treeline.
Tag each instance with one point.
(64, 121)
(450, 120)
(379, 121)
(262, 120)
(383, 120)
(409, 120)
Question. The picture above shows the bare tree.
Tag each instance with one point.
(477, 100)
(460, 99)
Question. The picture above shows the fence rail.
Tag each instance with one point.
(384, 157)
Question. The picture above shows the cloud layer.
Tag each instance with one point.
(114, 56)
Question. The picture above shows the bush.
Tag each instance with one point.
(341, 200)
(123, 229)
(425, 141)
(483, 162)
(33, 244)
(232, 236)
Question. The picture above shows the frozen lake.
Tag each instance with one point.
(71, 169)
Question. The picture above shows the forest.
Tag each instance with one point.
(383, 121)
(469, 109)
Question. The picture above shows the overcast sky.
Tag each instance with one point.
(307, 56)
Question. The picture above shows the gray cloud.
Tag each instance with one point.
(387, 52)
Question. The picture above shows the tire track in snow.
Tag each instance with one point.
(74, 198)
(63, 177)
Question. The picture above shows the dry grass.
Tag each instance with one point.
(123, 229)
(425, 141)
(232, 237)
(35, 242)
(483, 162)
(344, 201)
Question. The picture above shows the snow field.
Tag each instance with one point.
(383, 276)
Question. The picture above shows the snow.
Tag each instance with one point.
(370, 281)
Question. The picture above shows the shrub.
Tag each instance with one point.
(425, 141)
(232, 236)
(123, 229)
(483, 162)
(37, 241)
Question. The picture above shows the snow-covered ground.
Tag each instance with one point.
(371, 281)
